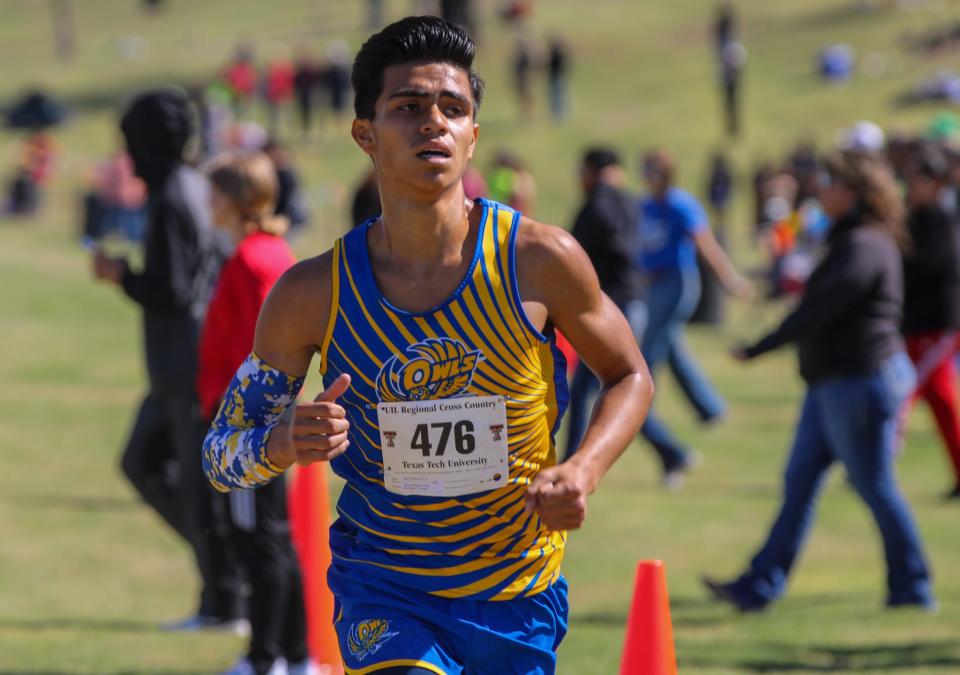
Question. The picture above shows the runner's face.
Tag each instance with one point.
(423, 133)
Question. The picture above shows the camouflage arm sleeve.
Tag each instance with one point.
(235, 449)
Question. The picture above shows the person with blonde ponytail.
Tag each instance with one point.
(243, 197)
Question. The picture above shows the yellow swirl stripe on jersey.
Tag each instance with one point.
(478, 342)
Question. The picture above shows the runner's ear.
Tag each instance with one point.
(473, 145)
(362, 132)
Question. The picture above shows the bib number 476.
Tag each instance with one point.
(424, 436)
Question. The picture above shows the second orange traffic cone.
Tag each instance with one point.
(648, 647)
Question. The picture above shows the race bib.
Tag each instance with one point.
(444, 448)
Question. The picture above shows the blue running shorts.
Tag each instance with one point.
(384, 625)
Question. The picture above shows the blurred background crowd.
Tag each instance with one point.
(200, 199)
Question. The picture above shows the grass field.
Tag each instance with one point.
(87, 573)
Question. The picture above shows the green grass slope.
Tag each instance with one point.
(86, 572)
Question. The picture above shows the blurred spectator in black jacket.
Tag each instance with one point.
(182, 259)
(606, 228)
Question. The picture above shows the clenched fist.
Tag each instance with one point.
(559, 495)
(312, 432)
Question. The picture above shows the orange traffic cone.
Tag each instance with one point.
(310, 523)
(648, 648)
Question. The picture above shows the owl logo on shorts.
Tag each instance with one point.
(367, 637)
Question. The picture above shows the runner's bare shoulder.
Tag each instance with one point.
(552, 268)
(294, 317)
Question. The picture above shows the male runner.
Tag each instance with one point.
(443, 389)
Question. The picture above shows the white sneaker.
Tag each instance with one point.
(238, 627)
(244, 667)
(674, 478)
(305, 667)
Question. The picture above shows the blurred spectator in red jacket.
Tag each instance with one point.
(243, 199)
(244, 190)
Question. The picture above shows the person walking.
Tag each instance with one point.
(605, 227)
(182, 259)
(852, 358)
(672, 228)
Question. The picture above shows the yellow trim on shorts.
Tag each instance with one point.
(373, 668)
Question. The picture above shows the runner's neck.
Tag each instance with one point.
(418, 237)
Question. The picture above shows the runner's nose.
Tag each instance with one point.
(435, 122)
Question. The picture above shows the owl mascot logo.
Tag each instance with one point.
(434, 368)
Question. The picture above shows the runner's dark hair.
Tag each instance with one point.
(416, 39)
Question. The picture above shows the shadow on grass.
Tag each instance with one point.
(686, 612)
(79, 623)
(63, 502)
(712, 488)
(791, 604)
(845, 12)
(619, 620)
(867, 658)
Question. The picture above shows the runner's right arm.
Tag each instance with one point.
(259, 432)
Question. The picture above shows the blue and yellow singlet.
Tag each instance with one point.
(478, 342)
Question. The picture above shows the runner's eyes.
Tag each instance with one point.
(455, 110)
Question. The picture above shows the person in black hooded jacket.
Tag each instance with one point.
(181, 262)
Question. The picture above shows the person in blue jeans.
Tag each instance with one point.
(672, 228)
(605, 226)
(852, 358)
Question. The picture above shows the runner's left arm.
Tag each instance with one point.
(260, 430)
(559, 283)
